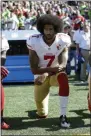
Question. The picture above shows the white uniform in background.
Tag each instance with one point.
(76, 35)
(84, 44)
(4, 44)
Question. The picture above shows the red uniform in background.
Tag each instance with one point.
(2, 97)
(4, 73)
(76, 22)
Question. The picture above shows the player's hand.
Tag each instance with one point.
(57, 69)
(51, 73)
(4, 72)
(40, 79)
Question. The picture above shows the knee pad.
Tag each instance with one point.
(63, 84)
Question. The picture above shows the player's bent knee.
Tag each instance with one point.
(63, 84)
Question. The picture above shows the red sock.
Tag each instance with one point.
(63, 84)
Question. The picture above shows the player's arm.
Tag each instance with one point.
(62, 58)
(3, 57)
(34, 62)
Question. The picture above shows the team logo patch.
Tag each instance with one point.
(58, 47)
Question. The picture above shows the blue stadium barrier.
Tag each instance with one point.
(19, 69)
(17, 61)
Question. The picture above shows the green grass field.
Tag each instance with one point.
(20, 111)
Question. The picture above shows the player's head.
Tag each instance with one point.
(49, 25)
(67, 27)
(86, 26)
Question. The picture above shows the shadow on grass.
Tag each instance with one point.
(81, 116)
(73, 78)
(49, 124)
(82, 89)
(80, 84)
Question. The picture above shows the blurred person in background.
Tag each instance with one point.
(67, 30)
(27, 21)
(76, 18)
(5, 15)
(12, 22)
(21, 19)
(83, 43)
(76, 35)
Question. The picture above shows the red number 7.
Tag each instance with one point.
(51, 59)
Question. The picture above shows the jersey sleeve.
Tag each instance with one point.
(30, 43)
(5, 44)
(65, 40)
(68, 41)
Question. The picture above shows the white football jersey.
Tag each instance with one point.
(48, 55)
(5, 45)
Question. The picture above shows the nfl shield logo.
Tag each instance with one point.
(58, 47)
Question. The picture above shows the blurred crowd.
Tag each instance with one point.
(22, 15)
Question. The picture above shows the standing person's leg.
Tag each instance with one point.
(2, 100)
(89, 82)
(75, 64)
(63, 94)
(68, 67)
(83, 72)
(78, 65)
(89, 93)
(4, 125)
(85, 55)
(41, 94)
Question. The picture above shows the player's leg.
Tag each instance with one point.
(68, 67)
(4, 125)
(89, 82)
(71, 56)
(63, 94)
(63, 91)
(41, 93)
(61, 80)
(2, 100)
(85, 55)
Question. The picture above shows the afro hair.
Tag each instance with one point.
(49, 19)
